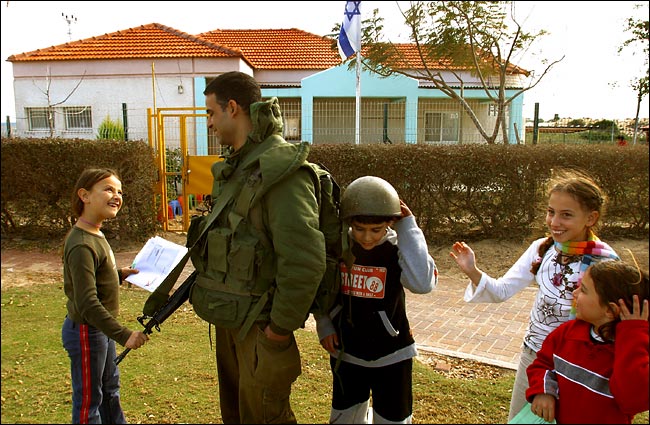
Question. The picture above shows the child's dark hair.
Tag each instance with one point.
(88, 178)
(615, 280)
(582, 188)
(372, 219)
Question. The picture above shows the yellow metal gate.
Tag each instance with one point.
(184, 153)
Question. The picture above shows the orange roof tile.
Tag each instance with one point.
(279, 48)
(410, 59)
(146, 41)
(261, 48)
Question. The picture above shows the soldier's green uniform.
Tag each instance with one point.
(253, 280)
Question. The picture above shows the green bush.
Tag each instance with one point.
(479, 191)
(472, 191)
(111, 130)
(38, 176)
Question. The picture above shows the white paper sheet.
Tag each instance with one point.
(155, 260)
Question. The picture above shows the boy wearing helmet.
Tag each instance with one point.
(368, 334)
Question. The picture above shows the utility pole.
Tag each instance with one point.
(536, 123)
(70, 19)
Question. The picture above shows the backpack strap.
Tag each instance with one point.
(243, 206)
(243, 209)
(255, 312)
(239, 212)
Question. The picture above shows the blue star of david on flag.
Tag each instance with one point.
(349, 40)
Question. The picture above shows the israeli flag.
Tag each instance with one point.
(350, 37)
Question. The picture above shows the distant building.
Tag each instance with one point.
(646, 130)
(123, 75)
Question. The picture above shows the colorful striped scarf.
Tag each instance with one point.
(591, 250)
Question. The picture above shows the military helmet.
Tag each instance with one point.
(370, 196)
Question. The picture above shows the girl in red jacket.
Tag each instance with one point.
(595, 369)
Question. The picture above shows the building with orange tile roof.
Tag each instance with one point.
(70, 89)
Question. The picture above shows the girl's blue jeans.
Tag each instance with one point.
(95, 377)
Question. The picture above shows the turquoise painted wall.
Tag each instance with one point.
(339, 82)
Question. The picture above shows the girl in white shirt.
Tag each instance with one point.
(556, 263)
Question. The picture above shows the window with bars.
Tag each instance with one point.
(291, 115)
(37, 118)
(78, 118)
(493, 109)
(440, 127)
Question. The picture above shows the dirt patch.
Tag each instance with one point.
(492, 256)
(458, 368)
(13, 278)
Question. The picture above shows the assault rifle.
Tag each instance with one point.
(175, 301)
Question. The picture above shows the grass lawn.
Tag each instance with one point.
(172, 379)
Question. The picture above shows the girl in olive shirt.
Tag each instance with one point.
(91, 284)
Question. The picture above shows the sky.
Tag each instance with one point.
(592, 81)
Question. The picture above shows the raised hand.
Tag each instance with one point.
(638, 312)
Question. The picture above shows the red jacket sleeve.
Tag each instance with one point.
(629, 382)
(541, 375)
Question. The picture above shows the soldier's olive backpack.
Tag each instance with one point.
(336, 240)
(336, 245)
(329, 198)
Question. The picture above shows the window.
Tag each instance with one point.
(432, 126)
(37, 118)
(78, 118)
(291, 118)
(441, 127)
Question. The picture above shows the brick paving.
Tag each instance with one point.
(490, 333)
(441, 321)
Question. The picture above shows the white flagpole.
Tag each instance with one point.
(357, 133)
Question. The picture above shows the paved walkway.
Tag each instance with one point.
(441, 321)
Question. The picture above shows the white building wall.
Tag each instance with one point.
(104, 96)
(105, 86)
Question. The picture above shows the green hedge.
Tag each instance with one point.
(459, 191)
(38, 176)
(495, 191)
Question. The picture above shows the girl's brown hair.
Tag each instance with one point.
(88, 178)
(581, 187)
(615, 280)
